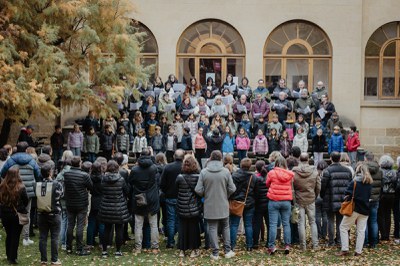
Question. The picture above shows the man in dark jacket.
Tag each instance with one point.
(168, 187)
(90, 121)
(57, 141)
(214, 142)
(107, 142)
(335, 180)
(30, 173)
(142, 181)
(282, 107)
(371, 232)
(26, 135)
(45, 157)
(76, 186)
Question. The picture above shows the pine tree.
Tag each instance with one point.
(71, 52)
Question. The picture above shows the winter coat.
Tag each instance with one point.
(300, 140)
(175, 144)
(246, 124)
(335, 180)
(76, 186)
(112, 123)
(139, 143)
(318, 143)
(114, 206)
(219, 109)
(188, 203)
(304, 125)
(168, 179)
(228, 145)
(238, 115)
(29, 170)
(279, 184)
(335, 143)
(282, 108)
(56, 194)
(353, 142)
(27, 137)
(332, 123)
(362, 195)
(143, 179)
(186, 143)
(278, 90)
(314, 130)
(200, 142)
(329, 108)
(241, 180)
(60, 178)
(260, 193)
(260, 145)
(261, 107)
(214, 142)
(216, 186)
(20, 205)
(307, 184)
(96, 192)
(258, 125)
(157, 143)
(273, 144)
(261, 90)
(107, 141)
(57, 141)
(301, 104)
(91, 144)
(122, 143)
(75, 140)
(278, 126)
(286, 147)
(43, 159)
(242, 143)
(377, 177)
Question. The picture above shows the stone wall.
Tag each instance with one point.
(381, 141)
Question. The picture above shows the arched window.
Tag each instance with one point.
(210, 48)
(382, 63)
(298, 50)
(149, 49)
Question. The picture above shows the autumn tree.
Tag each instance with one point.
(71, 52)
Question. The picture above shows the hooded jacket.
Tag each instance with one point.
(122, 143)
(307, 184)
(216, 186)
(114, 206)
(353, 142)
(279, 184)
(335, 143)
(143, 179)
(242, 143)
(45, 159)
(189, 203)
(376, 175)
(241, 179)
(228, 145)
(260, 145)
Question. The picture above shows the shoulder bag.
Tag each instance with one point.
(22, 217)
(236, 207)
(347, 207)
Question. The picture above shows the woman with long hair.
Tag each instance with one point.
(13, 199)
(189, 208)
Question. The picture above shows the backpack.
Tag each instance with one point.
(44, 193)
(389, 181)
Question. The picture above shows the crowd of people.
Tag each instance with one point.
(186, 181)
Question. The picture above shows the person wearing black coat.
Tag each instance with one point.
(189, 208)
(243, 180)
(282, 107)
(168, 187)
(214, 142)
(76, 186)
(145, 199)
(94, 224)
(335, 180)
(186, 143)
(113, 207)
(261, 202)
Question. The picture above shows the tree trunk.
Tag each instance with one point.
(5, 131)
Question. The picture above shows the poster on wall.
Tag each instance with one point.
(212, 75)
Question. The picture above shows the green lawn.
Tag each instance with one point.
(386, 254)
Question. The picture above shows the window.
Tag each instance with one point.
(210, 48)
(382, 63)
(149, 49)
(298, 50)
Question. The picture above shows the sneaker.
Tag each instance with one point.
(287, 249)
(195, 253)
(181, 254)
(118, 254)
(27, 242)
(83, 253)
(43, 263)
(230, 254)
(58, 262)
(63, 247)
(69, 252)
(214, 257)
(104, 254)
(271, 251)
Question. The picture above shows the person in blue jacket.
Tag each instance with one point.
(336, 141)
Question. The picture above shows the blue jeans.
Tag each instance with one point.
(76, 151)
(91, 157)
(172, 221)
(64, 225)
(276, 208)
(94, 227)
(241, 155)
(321, 218)
(248, 227)
(57, 154)
(371, 232)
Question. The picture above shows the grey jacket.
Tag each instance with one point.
(307, 184)
(122, 143)
(216, 186)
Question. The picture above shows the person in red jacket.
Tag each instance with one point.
(279, 184)
(352, 143)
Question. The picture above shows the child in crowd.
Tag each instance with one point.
(171, 144)
(122, 141)
(316, 126)
(202, 123)
(300, 140)
(286, 144)
(75, 141)
(124, 121)
(246, 124)
(332, 123)
(275, 124)
(232, 124)
(193, 125)
(137, 123)
(139, 143)
(273, 141)
(228, 163)
(164, 125)
(91, 145)
(260, 124)
(151, 125)
(336, 141)
(242, 144)
(166, 100)
(301, 123)
(228, 145)
(157, 141)
(289, 125)
(318, 144)
(352, 144)
(186, 143)
(260, 145)
(200, 145)
(107, 142)
(178, 127)
(111, 122)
